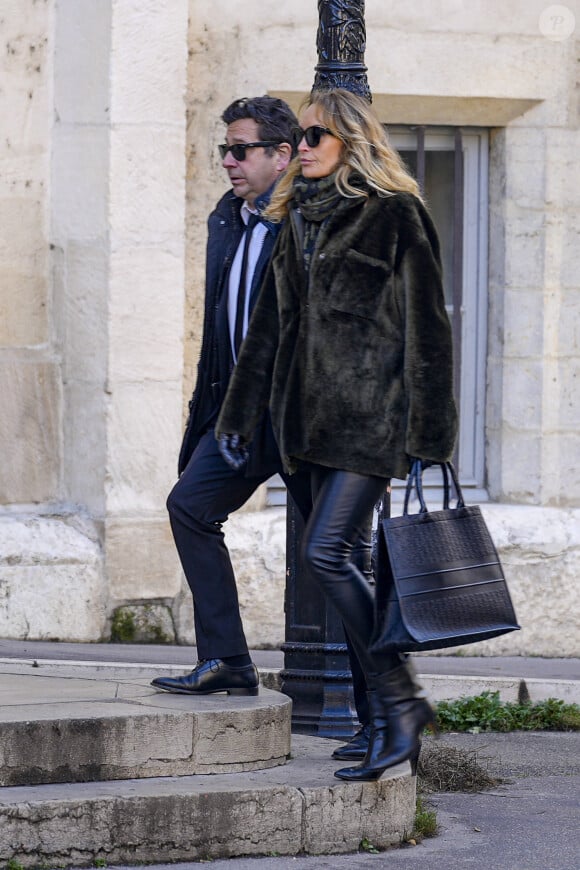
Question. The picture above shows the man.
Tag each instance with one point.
(260, 139)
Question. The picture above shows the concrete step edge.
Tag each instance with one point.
(77, 730)
(300, 808)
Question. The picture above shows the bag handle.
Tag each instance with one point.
(415, 481)
(419, 486)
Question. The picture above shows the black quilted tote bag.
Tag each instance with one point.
(439, 581)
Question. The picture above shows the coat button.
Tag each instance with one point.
(321, 256)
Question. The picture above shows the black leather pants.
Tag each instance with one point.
(342, 501)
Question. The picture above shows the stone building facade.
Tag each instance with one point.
(108, 169)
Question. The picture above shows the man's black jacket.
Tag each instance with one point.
(225, 230)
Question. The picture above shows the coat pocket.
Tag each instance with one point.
(359, 286)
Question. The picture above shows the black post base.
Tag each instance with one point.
(318, 679)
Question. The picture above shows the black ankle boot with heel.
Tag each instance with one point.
(357, 746)
(399, 714)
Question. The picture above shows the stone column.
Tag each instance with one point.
(29, 371)
(533, 416)
(118, 227)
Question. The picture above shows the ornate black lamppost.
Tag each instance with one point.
(316, 671)
(341, 43)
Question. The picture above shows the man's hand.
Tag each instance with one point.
(234, 450)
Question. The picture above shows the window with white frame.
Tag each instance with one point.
(451, 166)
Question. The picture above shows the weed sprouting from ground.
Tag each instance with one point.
(366, 846)
(425, 821)
(487, 712)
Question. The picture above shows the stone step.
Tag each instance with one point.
(298, 808)
(56, 728)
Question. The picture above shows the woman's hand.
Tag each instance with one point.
(234, 450)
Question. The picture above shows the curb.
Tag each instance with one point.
(439, 686)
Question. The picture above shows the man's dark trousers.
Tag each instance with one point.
(205, 495)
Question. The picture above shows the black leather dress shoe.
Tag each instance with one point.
(212, 675)
(356, 747)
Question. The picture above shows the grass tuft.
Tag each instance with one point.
(425, 821)
(365, 845)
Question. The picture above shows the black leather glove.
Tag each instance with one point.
(234, 450)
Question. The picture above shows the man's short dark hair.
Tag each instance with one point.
(275, 119)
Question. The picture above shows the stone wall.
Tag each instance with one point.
(109, 169)
(454, 64)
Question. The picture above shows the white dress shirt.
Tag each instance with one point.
(256, 242)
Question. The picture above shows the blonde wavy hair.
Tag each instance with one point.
(366, 151)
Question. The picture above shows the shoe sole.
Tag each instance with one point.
(252, 692)
(349, 757)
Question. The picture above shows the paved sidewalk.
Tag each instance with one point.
(443, 676)
(519, 667)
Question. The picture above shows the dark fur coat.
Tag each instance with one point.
(356, 362)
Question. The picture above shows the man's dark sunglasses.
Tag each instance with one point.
(239, 149)
(313, 135)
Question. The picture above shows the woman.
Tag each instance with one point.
(350, 345)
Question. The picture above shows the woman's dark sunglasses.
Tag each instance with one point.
(313, 135)
(239, 150)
